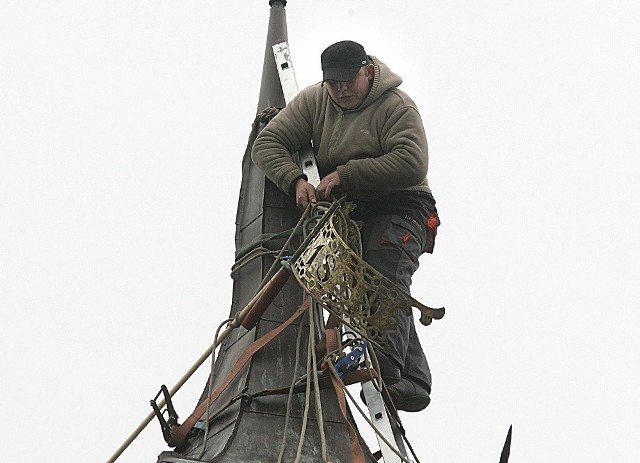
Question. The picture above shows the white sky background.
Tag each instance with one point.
(122, 128)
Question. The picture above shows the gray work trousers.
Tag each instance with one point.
(392, 244)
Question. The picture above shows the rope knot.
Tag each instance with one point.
(267, 114)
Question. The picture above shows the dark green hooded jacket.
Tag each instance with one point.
(378, 148)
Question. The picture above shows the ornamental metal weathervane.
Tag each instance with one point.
(339, 279)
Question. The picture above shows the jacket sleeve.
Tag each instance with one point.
(405, 159)
(285, 134)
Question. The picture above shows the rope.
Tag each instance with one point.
(406, 441)
(300, 223)
(308, 222)
(346, 228)
(310, 219)
(290, 397)
(271, 270)
(349, 232)
(307, 396)
(210, 389)
(312, 348)
(180, 432)
(266, 242)
(353, 401)
(312, 375)
(267, 114)
(312, 372)
(251, 256)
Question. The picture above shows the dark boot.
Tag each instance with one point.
(409, 395)
(389, 371)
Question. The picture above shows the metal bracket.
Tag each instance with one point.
(348, 362)
(165, 424)
(351, 360)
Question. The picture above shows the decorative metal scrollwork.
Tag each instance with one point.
(347, 286)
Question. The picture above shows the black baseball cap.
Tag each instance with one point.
(342, 60)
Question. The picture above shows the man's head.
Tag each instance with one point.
(348, 72)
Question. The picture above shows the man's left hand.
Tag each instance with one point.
(327, 184)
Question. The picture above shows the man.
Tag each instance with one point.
(370, 144)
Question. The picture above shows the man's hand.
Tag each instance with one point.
(328, 183)
(305, 193)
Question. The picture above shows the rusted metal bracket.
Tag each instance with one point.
(165, 423)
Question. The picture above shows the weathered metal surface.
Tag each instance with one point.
(253, 432)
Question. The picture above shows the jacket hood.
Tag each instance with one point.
(383, 80)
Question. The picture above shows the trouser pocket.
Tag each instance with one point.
(392, 246)
(407, 234)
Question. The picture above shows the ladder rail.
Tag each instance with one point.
(289, 85)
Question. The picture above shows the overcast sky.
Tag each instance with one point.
(122, 129)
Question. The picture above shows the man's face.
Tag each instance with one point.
(351, 94)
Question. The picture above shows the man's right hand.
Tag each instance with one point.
(305, 193)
